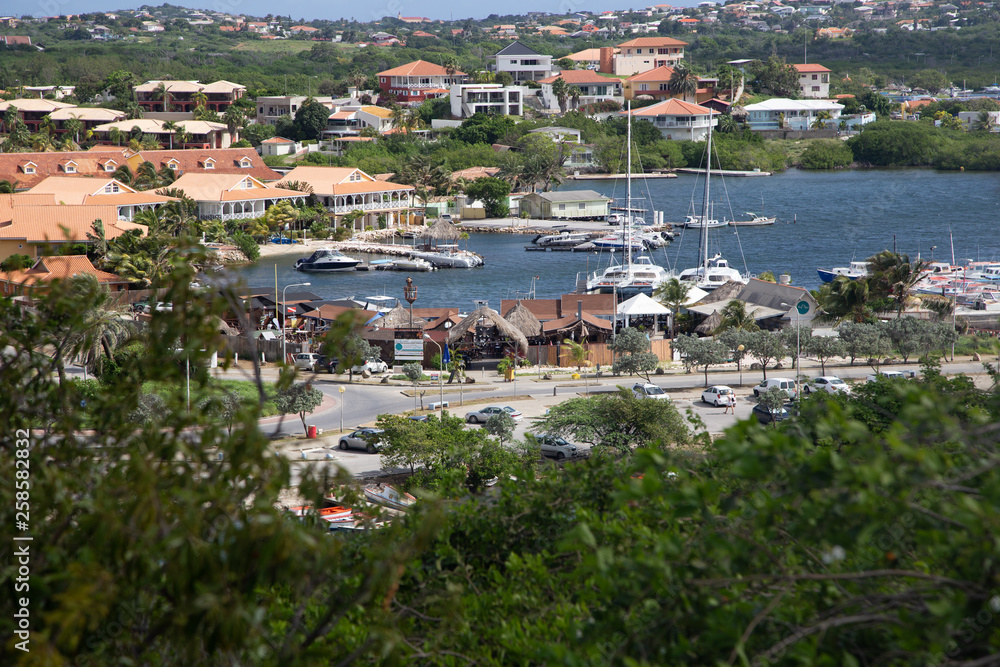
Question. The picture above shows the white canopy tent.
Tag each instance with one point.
(639, 306)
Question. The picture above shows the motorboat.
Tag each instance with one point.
(853, 272)
(388, 496)
(699, 222)
(755, 220)
(562, 239)
(618, 241)
(713, 271)
(327, 260)
(448, 256)
(412, 264)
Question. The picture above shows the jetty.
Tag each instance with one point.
(616, 177)
(726, 172)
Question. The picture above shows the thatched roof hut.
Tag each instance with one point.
(442, 230)
(710, 324)
(522, 318)
(398, 318)
(489, 317)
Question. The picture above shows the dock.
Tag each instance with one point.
(726, 172)
(617, 177)
(583, 247)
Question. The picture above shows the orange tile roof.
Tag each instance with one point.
(419, 68)
(227, 161)
(48, 268)
(595, 304)
(661, 73)
(652, 41)
(672, 107)
(341, 115)
(809, 69)
(226, 187)
(40, 223)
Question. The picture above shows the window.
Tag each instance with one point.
(109, 166)
(29, 169)
(562, 207)
(172, 165)
(643, 86)
(664, 86)
(69, 168)
(815, 87)
(582, 206)
(663, 52)
(245, 163)
(209, 164)
(112, 189)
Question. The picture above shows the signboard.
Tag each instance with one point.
(802, 307)
(408, 349)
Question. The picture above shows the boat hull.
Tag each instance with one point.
(828, 275)
(336, 268)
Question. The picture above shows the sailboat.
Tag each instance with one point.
(713, 271)
(636, 274)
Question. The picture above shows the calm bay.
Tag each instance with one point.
(824, 219)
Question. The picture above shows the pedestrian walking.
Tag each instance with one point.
(730, 403)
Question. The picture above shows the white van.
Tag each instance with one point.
(785, 384)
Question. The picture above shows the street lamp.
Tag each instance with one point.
(440, 370)
(933, 248)
(740, 348)
(798, 347)
(410, 294)
(284, 313)
(341, 390)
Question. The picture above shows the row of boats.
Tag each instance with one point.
(340, 517)
(974, 283)
(444, 256)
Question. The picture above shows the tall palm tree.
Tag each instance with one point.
(574, 96)
(123, 174)
(160, 92)
(683, 82)
(673, 294)
(199, 98)
(171, 127)
(735, 316)
(182, 136)
(102, 328)
(116, 136)
(561, 90)
(73, 126)
(234, 118)
(578, 354)
(844, 299)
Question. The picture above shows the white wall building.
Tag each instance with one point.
(471, 98)
(782, 113)
(814, 81)
(678, 120)
(646, 53)
(523, 64)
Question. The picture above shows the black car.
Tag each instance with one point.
(325, 363)
(766, 416)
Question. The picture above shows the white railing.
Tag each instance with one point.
(376, 206)
(682, 123)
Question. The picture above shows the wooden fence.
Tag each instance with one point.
(600, 353)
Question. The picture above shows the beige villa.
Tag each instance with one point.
(343, 190)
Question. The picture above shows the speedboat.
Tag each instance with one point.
(411, 264)
(853, 272)
(327, 260)
(562, 239)
(754, 221)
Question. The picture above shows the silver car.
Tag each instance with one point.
(828, 383)
(364, 438)
(558, 448)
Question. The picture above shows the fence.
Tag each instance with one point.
(249, 348)
(599, 353)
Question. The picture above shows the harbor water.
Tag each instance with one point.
(824, 219)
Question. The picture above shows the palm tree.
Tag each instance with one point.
(578, 353)
(182, 136)
(234, 119)
(727, 124)
(683, 82)
(160, 92)
(574, 96)
(146, 176)
(171, 127)
(199, 98)
(123, 174)
(116, 136)
(73, 125)
(41, 142)
(821, 118)
(735, 316)
(7, 187)
(845, 299)
(985, 122)
(561, 90)
(673, 294)
(102, 328)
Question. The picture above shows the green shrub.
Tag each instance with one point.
(247, 245)
(826, 154)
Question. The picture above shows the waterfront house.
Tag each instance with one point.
(646, 53)
(522, 63)
(591, 86)
(814, 81)
(763, 301)
(49, 268)
(76, 191)
(677, 120)
(417, 81)
(566, 205)
(489, 98)
(182, 95)
(232, 196)
(345, 190)
(783, 113)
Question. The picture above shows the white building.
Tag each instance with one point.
(814, 81)
(591, 87)
(523, 64)
(471, 98)
(678, 120)
(971, 118)
(271, 109)
(783, 113)
(646, 53)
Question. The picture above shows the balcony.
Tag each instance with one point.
(373, 206)
(680, 123)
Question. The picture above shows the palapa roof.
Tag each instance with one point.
(521, 317)
(710, 324)
(492, 318)
(442, 230)
(584, 324)
(398, 318)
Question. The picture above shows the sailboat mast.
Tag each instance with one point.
(705, 204)
(628, 186)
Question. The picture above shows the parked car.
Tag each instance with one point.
(890, 375)
(327, 364)
(785, 384)
(649, 390)
(558, 448)
(307, 361)
(372, 366)
(446, 217)
(483, 414)
(157, 306)
(767, 416)
(717, 395)
(828, 383)
(364, 438)
(418, 418)
(281, 240)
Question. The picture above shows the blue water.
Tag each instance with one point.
(824, 219)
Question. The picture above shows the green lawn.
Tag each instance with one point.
(246, 391)
(274, 45)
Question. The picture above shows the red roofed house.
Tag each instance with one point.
(645, 53)
(678, 120)
(592, 88)
(814, 80)
(418, 81)
(15, 40)
(656, 84)
(46, 269)
(413, 19)
(344, 190)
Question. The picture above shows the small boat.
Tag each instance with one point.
(853, 272)
(754, 221)
(449, 257)
(562, 239)
(698, 222)
(327, 260)
(335, 513)
(412, 264)
(387, 496)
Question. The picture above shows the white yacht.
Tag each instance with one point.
(562, 239)
(853, 272)
(327, 260)
(448, 256)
